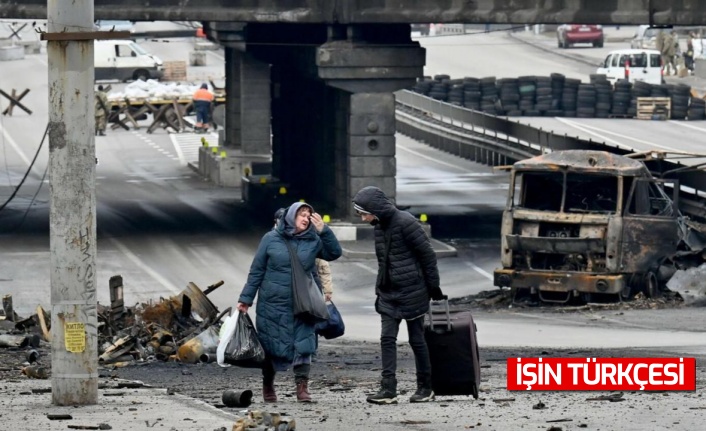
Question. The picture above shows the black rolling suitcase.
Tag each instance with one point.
(453, 349)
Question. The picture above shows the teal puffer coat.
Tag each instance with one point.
(281, 334)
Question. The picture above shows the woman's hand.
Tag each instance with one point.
(242, 307)
(317, 222)
(328, 296)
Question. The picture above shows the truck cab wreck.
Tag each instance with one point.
(581, 223)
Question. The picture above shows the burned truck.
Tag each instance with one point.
(583, 223)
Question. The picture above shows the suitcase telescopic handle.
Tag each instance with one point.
(448, 314)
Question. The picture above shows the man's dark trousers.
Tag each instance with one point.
(388, 343)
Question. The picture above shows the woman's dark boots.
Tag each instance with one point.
(387, 393)
(268, 390)
(303, 391)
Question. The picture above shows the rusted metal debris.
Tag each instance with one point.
(181, 328)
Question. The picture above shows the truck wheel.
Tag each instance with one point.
(627, 293)
(141, 74)
(651, 285)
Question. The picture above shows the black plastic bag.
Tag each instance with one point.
(244, 348)
(334, 326)
(308, 301)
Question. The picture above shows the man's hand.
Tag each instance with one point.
(317, 221)
(436, 294)
(242, 307)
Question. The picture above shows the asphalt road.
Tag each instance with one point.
(161, 226)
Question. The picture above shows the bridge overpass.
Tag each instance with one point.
(310, 82)
(664, 12)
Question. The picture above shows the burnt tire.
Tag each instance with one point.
(650, 285)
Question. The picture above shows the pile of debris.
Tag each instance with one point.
(503, 298)
(182, 328)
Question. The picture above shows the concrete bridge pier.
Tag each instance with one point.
(327, 92)
(246, 150)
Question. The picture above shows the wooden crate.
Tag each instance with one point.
(174, 71)
(649, 106)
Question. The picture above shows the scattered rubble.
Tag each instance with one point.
(181, 328)
(689, 285)
(502, 298)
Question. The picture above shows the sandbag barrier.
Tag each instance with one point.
(558, 96)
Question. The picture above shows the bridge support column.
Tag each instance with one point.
(370, 147)
(247, 147)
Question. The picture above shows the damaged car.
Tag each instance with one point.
(581, 223)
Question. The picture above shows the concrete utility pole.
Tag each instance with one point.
(72, 216)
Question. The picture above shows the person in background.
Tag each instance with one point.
(203, 99)
(689, 53)
(407, 278)
(287, 340)
(101, 111)
(668, 53)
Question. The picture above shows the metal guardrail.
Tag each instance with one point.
(495, 140)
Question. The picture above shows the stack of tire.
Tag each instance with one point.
(510, 96)
(621, 98)
(604, 95)
(471, 93)
(557, 91)
(680, 100)
(544, 97)
(423, 86)
(586, 101)
(489, 95)
(440, 88)
(697, 109)
(569, 97)
(659, 91)
(528, 92)
(456, 92)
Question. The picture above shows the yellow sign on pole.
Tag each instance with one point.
(75, 336)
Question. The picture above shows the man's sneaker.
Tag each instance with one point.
(424, 394)
(387, 393)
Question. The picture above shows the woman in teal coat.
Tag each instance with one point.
(287, 340)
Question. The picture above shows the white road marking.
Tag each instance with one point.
(14, 145)
(138, 262)
(177, 148)
(688, 126)
(366, 267)
(187, 145)
(18, 150)
(418, 154)
(585, 128)
(480, 270)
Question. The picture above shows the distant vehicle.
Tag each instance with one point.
(581, 223)
(633, 65)
(570, 34)
(645, 38)
(115, 25)
(125, 60)
(423, 29)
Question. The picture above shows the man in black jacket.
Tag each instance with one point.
(407, 278)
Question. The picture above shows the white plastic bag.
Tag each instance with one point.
(225, 334)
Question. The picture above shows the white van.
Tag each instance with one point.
(633, 65)
(125, 60)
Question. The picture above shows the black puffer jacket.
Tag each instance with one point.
(412, 261)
